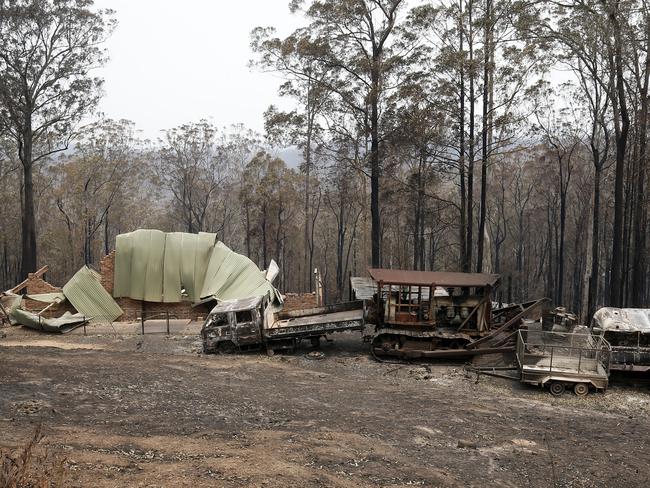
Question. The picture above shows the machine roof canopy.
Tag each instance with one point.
(433, 278)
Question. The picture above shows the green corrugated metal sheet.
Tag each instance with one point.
(47, 297)
(62, 324)
(195, 262)
(171, 269)
(85, 292)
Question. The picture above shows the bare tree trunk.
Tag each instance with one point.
(374, 164)
(470, 165)
(639, 268)
(616, 280)
(28, 261)
(461, 150)
(487, 56)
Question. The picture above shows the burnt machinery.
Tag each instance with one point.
(421, 314)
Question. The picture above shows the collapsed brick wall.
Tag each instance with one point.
(107, 271)
(133, 309)
(36, 286)
(298, 301)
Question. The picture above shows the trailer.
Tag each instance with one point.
(563, 360)
(254, 323)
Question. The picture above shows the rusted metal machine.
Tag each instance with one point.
(425, 314)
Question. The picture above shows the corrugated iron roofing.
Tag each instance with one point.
(436, 278)
(155, 266)
(85, 292)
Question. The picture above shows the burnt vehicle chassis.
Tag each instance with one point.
(254, 323)
(628, 332)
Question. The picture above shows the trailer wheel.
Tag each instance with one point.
(556, 388)
(581, 389)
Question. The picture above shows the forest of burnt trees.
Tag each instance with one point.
(504, 136)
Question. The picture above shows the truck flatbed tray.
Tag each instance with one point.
(317, 324)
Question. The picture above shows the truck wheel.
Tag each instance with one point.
(581, 389)
(226, 347)
(315, 342)
(556, 389)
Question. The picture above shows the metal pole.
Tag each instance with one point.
(142, 320)
(167, 314)
(580, 360)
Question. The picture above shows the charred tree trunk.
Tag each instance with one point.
(28, 236)
(374, 162)
(472, 134)
(484, 133)
(461, 150)
(639, 268)
(622, 130)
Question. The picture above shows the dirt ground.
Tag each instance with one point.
(131, 410)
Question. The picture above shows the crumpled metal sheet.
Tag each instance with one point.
(10, 302)
(61, 325)
(623, 319)
(86, 293)
(47, 297)
(168, 267)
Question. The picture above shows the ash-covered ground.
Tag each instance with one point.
(131, 410)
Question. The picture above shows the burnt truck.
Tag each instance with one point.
(257, 323)
(628, 332)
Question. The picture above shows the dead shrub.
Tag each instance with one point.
(31, 466)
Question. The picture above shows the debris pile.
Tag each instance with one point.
(149, 269)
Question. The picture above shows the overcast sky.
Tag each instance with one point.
(174, 62)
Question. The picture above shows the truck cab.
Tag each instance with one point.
(234, 325)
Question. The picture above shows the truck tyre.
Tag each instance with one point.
(556, 388)
(581, 389)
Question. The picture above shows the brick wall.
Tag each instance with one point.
(298, 301)
(36, 286)
(107, 271)
(133, 309)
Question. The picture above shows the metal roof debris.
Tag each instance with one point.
(236, 305)
(47, 297)
(623, 319)
(155, 266)
(64, 323)
(86, 294)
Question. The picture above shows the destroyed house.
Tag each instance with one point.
(149, 274)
